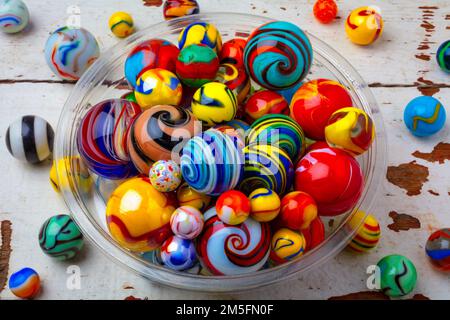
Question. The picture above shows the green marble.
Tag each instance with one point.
(60, 237)
(398, 275)
(443, 56)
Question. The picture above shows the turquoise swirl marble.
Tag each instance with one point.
(278, 55)
(60, 237)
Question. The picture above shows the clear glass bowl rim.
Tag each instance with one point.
(64, 144)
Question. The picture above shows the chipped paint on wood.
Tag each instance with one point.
(5, 251)
(434, 193)
(403, 222)
(419, 296)
(440, 153)
(362, 295)
(409, 176)
(153, 3)
(134, 298)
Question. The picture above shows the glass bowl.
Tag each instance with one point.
(105, 79)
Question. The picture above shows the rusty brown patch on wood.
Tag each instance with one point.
(427, 87)
(427, 82)
(419, 296)
(440, 153)
(428, 91)
(423, 47)
(447, 17)
(424, 57)
(242, 34)
(132, 298)
(331, 223)
(362, 295)
(428, 26)
(434, 193)
(403, 222)
(120, 84)
(409, 176)
(5, 251)
(153, 3)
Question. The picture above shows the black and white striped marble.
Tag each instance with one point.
(30, 139)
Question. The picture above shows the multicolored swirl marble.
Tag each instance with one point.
(278, 55)
(200, 33)
(150, 54)
(314, 103)
(102, 138)
(158, 87)
(281, 131)
(265, 102)
(267, 167)
(186, 222)
(214, 103)
(178, 253)
(25, 283)
(160, 133)
(287, 245)
(197, 65)
(180, 8)
(70, 52)
(438, 249)
(231, 250)
(364, 25)
(236, 79)
(350, 129)
(233, 52)
(138, 215)
(368, 234)
(14, 16)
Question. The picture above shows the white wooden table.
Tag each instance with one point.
(396, 68)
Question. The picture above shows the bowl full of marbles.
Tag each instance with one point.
(196, 185)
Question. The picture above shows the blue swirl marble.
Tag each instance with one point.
(212, 163)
